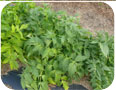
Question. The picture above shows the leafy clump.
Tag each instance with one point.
(11, 46)
(55, 48)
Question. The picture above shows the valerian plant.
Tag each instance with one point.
(54, 48)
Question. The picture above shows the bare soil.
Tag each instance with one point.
(6, 68)
(94, 16)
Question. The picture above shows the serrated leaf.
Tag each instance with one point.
(5, 47)
(39, 66)
(28, 78)
(65, 85)
(34, 85)
(106, 68)
(46, 52)
(87, 53)
(13, 28)
(35, 72)
(57, 77)
(51, 81)
(104, 48)
(23, 26)
(5, 61)
(64, 77)
(44, 86)
(44, 77)
(62, 39)
(23, 83)
(18, 50)
(17, 28)
(94, 42)
(72, 69)
(13, 65)
(81, 58)
(64, 64)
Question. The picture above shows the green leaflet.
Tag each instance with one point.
(13, 65)
(34, 45)
(104, 49)
(65, 85)
(39, 66)
(64, 63)
(24, 26)
(46, 53)
(72, 68)
(23, 83)
(34, 85)
(43, 86)
(51, 81)
(64, 77)
(80, 58)
(58, 77)
(13, 28)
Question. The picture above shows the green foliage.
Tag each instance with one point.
(11, 50)
(100, 67)
(54, 48)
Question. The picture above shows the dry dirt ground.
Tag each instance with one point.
(93, 16)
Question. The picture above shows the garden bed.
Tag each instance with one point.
(93, 16)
